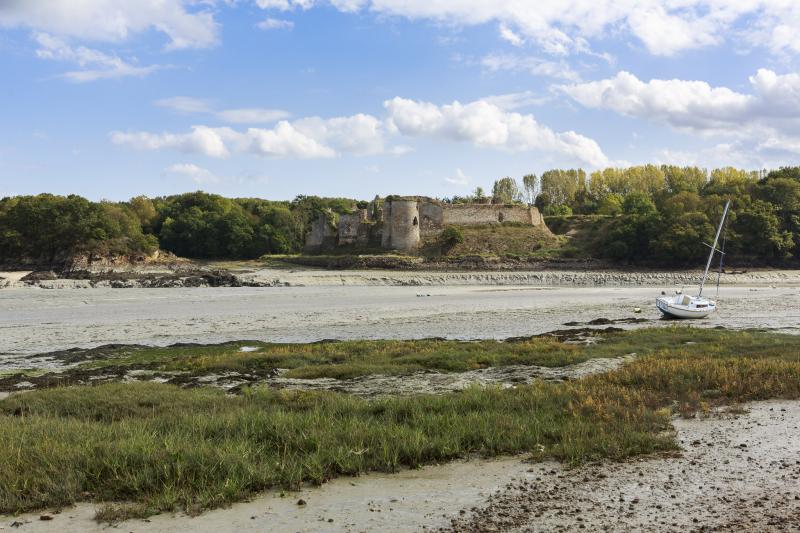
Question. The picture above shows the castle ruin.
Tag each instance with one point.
(401, 223)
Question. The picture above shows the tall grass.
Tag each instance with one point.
(168, 448)
(159, 447)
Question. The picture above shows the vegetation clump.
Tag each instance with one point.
(154, 447)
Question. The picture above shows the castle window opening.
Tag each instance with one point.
(416, 222)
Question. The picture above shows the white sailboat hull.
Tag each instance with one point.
(696, 308)
(684, 306)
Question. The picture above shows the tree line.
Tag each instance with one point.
(642, 214)
(49, 229)
(664, 214)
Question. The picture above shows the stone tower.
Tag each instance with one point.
(400, 225)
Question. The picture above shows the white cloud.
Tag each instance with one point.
(765, 120)
(513, 101)
(487, 125)
(185, 104)
(182, 21)
(284, 140)
(772, 107)
(285, 5)
(197, 174)
(202, 139)
(561, 27)
(253, 115)
(507, 34)
(95, 65)
(275, 24)
(460, 178)
(358, 134)
(309, 138)
(529, 64)
(484, 123)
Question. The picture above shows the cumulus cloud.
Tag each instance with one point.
(560, 27)
(485, 124)
(186, 23)
(309, 138)
(765, 120)
(772, 106)
(94, 65)
(202, 139)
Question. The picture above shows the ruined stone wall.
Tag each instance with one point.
(322, 233)
(479, 214)
(401, 223)
(350, 227)
(431, 218)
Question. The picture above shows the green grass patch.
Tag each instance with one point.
(154, 447)
(348, 359)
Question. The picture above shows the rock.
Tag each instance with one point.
(39, 275)
(45, 517)
(301, 502)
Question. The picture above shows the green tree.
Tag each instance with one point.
(610, 205)
(505, 191)
(562, 185)
(530, 185)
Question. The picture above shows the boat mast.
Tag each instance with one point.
(714, 246)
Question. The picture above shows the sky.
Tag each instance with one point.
(111, 99)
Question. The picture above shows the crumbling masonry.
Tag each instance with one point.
(402, 223)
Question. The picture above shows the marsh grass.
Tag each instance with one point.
(348, 359)
(146, 447)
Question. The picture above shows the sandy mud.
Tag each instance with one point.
(371, 386)
(436, 383)
(547, 278)
(35, 321)
(735, 473)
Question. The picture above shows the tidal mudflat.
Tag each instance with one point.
(130, 445)
(35, 320)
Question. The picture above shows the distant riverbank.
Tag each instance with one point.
(256, 274)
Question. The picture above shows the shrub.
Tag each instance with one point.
(451, 236)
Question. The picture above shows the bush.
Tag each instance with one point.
(451, 236)
(557, 211)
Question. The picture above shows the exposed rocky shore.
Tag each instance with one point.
(195, 275)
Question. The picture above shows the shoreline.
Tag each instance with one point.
(256, 276)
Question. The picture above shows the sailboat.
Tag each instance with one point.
(684, 306)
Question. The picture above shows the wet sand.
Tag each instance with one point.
(735, 473)
(37, 320)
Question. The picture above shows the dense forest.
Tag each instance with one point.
(645, 215)
(48, 229)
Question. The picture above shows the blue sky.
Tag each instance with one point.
(275, 98)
